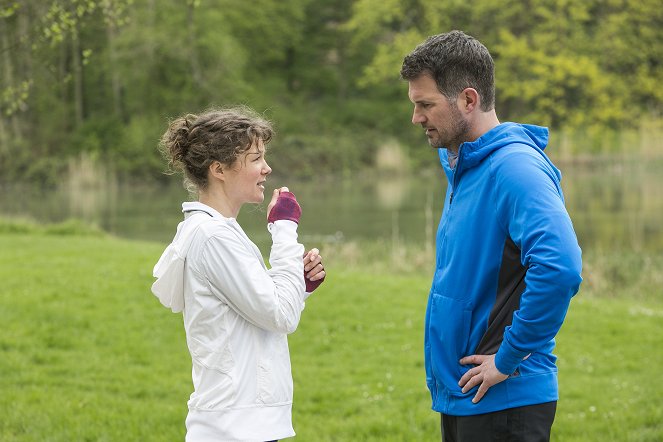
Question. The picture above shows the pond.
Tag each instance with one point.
(614, 204)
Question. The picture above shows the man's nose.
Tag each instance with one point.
(417, 118)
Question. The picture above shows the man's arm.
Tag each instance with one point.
(531, 208)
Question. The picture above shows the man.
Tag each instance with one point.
(508, 260)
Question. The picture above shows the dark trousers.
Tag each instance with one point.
(522, 424)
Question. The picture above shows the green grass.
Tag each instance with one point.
(88, 354)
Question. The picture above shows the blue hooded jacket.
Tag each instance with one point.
(508, 263)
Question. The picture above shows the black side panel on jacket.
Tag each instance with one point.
(510, 285)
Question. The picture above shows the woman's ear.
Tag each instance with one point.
(216, 170)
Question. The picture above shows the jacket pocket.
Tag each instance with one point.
(214, 385)
(449, 334)
(220, 360)
(274, 373)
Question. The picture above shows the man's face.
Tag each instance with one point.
(444, 123)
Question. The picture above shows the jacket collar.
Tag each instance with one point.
(472, 153)
(195, 206)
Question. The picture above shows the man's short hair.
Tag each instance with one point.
(456, 61)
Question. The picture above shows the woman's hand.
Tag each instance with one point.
(283, 205)
(275, 196)
(314, 270)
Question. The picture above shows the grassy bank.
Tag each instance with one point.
(87, 353)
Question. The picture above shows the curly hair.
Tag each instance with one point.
(192, 142)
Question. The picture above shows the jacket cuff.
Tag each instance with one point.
(283, 231)
(508, 358)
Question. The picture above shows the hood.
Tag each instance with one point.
(169, 270)
(472, 153)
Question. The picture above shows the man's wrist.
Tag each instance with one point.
(508, 358)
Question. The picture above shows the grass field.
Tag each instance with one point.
(88, 354)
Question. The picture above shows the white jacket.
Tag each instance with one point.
(237, 314)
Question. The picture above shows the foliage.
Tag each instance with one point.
(89, 354)
(551, 68)
(65, 228)
(104, 76)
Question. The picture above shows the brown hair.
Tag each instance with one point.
(192, 142)
(456, 61)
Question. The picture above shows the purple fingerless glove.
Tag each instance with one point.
(286, 207)
(312, 285)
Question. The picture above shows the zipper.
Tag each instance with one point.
(442, 229)
(456, 175)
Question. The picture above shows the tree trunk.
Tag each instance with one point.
(193, 53)
(116, 85)
(26, 69)
(6, 68)
(9, 82)
(342, 71)
(24, 29)
(151, 24)
(290, 77)
(77, 68)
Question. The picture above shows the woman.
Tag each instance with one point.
(237, 313)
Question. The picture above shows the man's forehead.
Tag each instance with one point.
(423, 89)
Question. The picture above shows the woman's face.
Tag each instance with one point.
(245, 179)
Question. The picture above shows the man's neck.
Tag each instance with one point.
(484, 122)
(479, 125)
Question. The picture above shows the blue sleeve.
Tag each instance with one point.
(531, 209)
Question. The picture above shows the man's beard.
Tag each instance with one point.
(458, 132)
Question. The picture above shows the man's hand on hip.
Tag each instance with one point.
(485, 374)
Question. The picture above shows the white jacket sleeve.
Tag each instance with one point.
(270, 299)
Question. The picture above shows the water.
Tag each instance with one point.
(613, 204)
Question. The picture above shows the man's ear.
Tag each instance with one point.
(468, 100)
